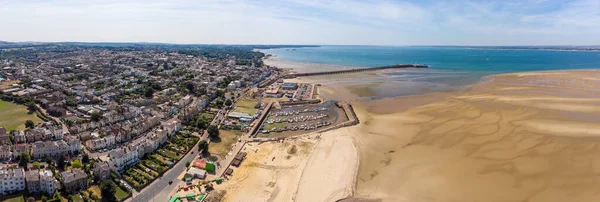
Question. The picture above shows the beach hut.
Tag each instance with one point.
(190, 196)
(200, 164)
(210, 167)
(197, 172)
(174, 198)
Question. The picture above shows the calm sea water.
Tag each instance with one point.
(449, 67)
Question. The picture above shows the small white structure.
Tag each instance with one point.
(197, 173)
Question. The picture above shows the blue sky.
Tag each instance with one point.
(339, 22)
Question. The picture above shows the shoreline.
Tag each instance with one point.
(501, 139)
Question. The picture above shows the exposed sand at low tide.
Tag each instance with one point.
(531, 136)
(519, 137)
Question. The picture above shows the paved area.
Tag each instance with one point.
(159, 190)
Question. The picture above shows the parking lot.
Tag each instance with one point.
(300, 119)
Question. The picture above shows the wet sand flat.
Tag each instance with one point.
(514, 137)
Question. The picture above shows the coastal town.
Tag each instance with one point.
(102, 123)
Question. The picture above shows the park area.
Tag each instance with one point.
(93, 193)
(245, 106)
(13, 116)
(221, 146)
(153, 164)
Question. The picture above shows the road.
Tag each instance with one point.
(159, 189)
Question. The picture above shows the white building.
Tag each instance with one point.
(101, 143)
(171, 126)
(231, 86)
(11, 180)
(74, 143)
(122, 158)
(5, 152)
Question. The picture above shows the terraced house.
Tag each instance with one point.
(11, 180)
(122, 158)
(41, 181)
(74, 180)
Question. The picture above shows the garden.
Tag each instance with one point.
(154, 164)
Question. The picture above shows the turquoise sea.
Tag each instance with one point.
(449, 67)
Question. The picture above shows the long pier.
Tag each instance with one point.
(355, 70)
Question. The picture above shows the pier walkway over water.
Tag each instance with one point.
(355, 70)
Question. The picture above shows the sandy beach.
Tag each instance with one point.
(531, 136)
(314, 168)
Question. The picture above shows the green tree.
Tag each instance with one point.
(108, 190)
(187, 164)
(36, 165)
(203, 146)
(48, 160)
(61, 161)
(31, 106)
(213, 132)
(148, 92)
(220, 93)
(228, 102)
(96, 116)
(24, 159)
(76, 164)
(29, 124)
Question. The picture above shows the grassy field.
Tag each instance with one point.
(77, 198)
(12, 198)
(13, 116)
(207, 116)
(96, 190)
(246, 106)
(228, 138)
(274, 125)
(120, 193)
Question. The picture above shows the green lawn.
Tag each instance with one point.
(13, 198)
(274, 125)
(245, 106)
(13, 116)
(77, 198)
(228, 138)
(121, 193)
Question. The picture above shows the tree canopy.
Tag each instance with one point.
(213, 132)
(29, 124)
(96, 116)
(108, 189)
(24, 160)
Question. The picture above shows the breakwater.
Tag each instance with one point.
(355, 70)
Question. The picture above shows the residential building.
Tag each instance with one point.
(4, 137)
(19, 137)
(101, 171)
(49, 148)
(5, 152)
(19, 149)
(41, 181)
(74, 144)
(74, 180)
(11, 180)
(123, 158)
(171, 126)
(101, 143)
